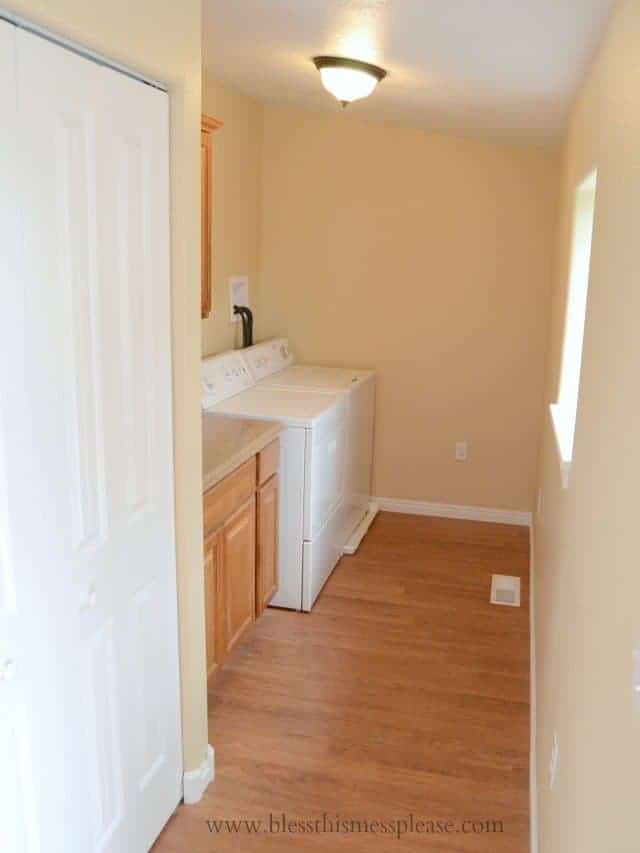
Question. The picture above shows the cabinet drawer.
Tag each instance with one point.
(268, 461)
(222, 500)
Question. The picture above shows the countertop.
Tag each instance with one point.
(227, 442)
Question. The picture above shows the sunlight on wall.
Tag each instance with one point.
(564, 411)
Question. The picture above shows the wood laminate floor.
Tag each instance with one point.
(403, 693)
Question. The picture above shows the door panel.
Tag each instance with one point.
(133, 270)
(291, 518)
(326, 455)
(18, 824)
(104, 735)
(85, 434)
(149, 649)
(321, 555)
(267, 568)
(212, 588)
(205, 223)
(359, 456)
(238, 566)
(75, 155)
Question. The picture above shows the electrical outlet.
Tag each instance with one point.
(461, 451)
(553, 761)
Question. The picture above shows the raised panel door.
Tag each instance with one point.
(267, 544)
(238, 568)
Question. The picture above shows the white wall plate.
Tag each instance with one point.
(505, 590)
(238, 295)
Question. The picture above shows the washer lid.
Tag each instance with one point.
(310, 377)
(294, 408)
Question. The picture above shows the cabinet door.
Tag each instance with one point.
(205, 222)
(212, 560)
(267, 568)
(238, 568)
(207, 127)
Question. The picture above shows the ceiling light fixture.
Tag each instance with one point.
(348, 79)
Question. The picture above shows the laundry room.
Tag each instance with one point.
(317, 426)
(399, 251)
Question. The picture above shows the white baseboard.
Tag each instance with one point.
(471, 513)
(197, 781)
(533, 763)
(360, 532)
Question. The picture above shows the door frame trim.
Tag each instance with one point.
(195, 782)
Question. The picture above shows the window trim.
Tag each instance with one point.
(564, 411)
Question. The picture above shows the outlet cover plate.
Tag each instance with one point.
(505, 590)
(238, 295)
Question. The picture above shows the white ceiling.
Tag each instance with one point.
(506, 68)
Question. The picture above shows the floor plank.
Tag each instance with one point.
(403, 693)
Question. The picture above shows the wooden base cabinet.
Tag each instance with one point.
(267, 551)
(240, 552)
(229, 583)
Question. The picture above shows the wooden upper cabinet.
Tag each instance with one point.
(207, 127)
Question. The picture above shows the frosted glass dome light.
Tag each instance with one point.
(348, 79)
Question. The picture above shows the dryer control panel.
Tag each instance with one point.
(224, 376)
(267, 358)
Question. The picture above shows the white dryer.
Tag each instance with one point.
(312, 470)
(271, 366)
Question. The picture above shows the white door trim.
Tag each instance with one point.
(196, 781)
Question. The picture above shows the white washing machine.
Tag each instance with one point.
(312, 470)
(271, 366)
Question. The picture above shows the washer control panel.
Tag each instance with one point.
(267, 358)
(224, 376)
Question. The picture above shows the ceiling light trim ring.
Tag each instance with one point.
(354, 64)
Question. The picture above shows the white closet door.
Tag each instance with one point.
(90, 718)
(20, 669)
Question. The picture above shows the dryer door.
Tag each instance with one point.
(325, 468)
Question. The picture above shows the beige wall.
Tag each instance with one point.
(588, 583)
(428, 258)
(163, 40)
(236, 205)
